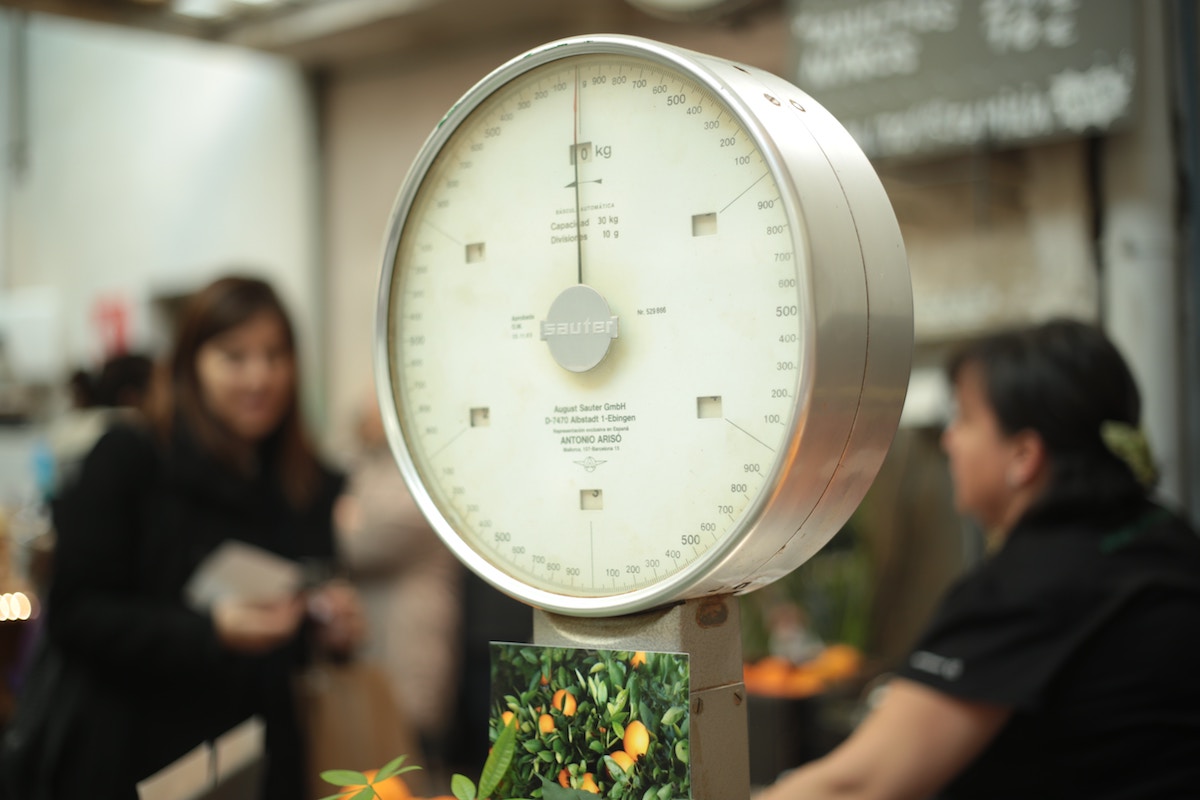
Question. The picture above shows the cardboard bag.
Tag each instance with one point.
(352, 720)
(229, 768)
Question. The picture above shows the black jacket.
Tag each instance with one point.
(131, 531)
(1083, 625)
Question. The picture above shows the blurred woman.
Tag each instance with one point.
(410, 585)
(1064, 666)
(223, 457)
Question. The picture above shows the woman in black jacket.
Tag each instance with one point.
(1064, 666)
(223, 457)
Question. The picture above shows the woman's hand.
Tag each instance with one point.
(908, 748)
(256, 627)
(338, 613)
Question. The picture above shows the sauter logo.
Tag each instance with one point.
(588, 327)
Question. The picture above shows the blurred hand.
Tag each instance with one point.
(338, 613)
(255, 627)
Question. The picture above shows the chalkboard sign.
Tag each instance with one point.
(917, 77)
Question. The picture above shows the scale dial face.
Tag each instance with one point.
(596, 322)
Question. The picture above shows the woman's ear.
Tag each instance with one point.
(1028, 462)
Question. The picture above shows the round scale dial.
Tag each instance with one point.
(637, 346)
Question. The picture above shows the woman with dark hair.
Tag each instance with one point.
(1065, 665)
(124, 381)
(223, 457)
(118, 391)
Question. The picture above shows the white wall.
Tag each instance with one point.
(154, 163)
(1142, 281)
(996, 239)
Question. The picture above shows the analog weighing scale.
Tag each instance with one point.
(644, 335)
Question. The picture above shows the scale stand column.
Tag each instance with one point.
(709, 631)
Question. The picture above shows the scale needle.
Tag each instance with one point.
(575, 183)
(751, 435)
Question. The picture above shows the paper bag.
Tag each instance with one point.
(229, 768)
(353, 722)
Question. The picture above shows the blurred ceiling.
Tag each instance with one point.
(333, 33)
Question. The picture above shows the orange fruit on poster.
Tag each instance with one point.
(637, 739)
(588, 784)
(564, 778)
(546, 723)
(623, 759)
(637, 659)
(564, 701)
(506, 718)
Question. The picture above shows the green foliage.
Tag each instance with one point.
(610, 693)
(462, 787)
(356, 786)
(499, 760)
(552, 791)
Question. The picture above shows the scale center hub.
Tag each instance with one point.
(579, 328)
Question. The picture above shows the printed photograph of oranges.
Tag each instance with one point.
(612, 723)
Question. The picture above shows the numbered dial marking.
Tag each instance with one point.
(644, 326)
(630, 183)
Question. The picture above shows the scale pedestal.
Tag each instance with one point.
(709, 631)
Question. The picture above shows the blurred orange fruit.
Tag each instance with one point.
(802, 682)
(506, 718)
(564, 778)
(768, 672)
(546, 723)
(391, 789)
(588, 784)
(777, 677)
(837, 662)
(638, 659)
